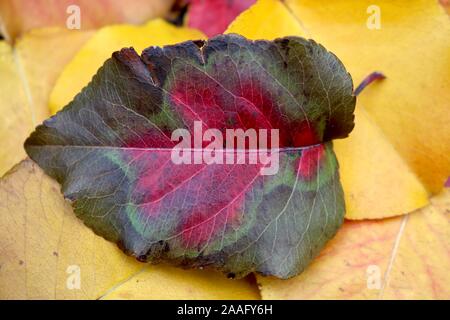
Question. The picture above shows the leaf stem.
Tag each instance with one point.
(368, 80)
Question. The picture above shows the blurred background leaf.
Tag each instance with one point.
(19, 16)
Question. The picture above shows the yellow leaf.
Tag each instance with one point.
(27, 74)
(16, 120)
(167, 283)
(267, 19)
(367, 178)
(20, 16)
(44, 46)
(410, 107)
(99, 48)
(399, 258)
(45, 248)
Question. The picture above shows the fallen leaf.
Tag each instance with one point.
(398, 106)
(366, 177)
(111, 150)
(169, 283)
(267, 19)
(16, 121)
(405, 257)
(19, 16)
(212, 17)
(44, 247)
(80, 70)
(26, 85)
(45, 46)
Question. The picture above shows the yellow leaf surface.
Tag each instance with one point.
(43, 244)
(405, 257)
(409, 109)
(27, 74)
(19, 16)
(365, 178)
(99, 48)
(267, 19)
(167, 283)
(16, 120)
(29, 70)
(42, 55)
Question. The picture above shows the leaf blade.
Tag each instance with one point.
(110, 150)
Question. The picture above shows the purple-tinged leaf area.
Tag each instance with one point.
(111, 147)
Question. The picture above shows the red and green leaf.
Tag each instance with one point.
(110, 149)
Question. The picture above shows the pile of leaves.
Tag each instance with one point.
(395, 241)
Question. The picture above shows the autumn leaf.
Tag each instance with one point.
(212, 17)
(446, 5)
(399, 151)
(25, 85)
(399, 258)
(45, 247)
(19, 16)
(110, 149)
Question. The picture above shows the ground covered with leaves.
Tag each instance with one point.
(395, 241)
